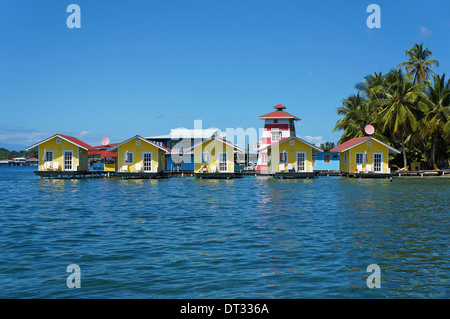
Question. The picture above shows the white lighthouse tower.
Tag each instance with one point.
(278, 125)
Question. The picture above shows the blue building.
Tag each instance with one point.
(325, 161)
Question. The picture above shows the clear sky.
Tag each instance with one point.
(144, 67)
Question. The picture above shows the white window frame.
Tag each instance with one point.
(125, 158)
(264, 158)
(143, 162)
(285, 155)
(138, 142)
(345, 158)
(356, 158)
(46, 157)
(329, 158)
(381, 162)
(304, 161)
(220, 161)
(203, 157)
(276, 133)
(314, 159)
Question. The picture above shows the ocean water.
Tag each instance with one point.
(253, 237)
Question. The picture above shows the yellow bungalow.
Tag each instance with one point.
(290, 155)
(62, 153)
(214, 155)
(139, 155)
(364, 155)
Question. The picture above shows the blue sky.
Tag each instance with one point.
(144, 67)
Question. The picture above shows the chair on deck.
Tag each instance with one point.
(47, 165)
(359, 168)
(124, 168)
(368, 168)
(213, 169)
(281, 168)
(137, 167)
(291, 168)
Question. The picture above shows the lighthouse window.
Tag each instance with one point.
(263, 158)
(276, 136)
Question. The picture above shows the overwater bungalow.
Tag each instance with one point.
(365, 157)
(291, 158)
(215, 158)
(138, 157)
(101, 159)
(178, 141)
(62, 153)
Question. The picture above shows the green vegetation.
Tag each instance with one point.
(409, 108)
(5, 154)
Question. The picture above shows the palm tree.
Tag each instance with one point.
(356, 116)
(371, 85)
(418, 63)
(399, 114)
(436, 106)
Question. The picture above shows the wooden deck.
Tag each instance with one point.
(73, 174)
(367, 175)
(143, 175)
(422, 173)
(286, 175)
(218, 175)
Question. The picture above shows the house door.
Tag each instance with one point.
(378, 162)
(223, 162)
(68, 160)
(147, 161)
(301, 162)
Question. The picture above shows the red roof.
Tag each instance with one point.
(103, 153)
(279, 106)
(77, 141)
(349, 143)
(99, 147)
(279, 114)
(33, 159)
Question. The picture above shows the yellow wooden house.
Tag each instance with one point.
(62, 153)
(139, 155)
(290, 155)
(214, 155)
(364, 155)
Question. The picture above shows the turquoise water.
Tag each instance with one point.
(246, 238)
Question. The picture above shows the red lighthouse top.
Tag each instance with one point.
(280, 113)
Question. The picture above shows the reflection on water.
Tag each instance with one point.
(253, 237)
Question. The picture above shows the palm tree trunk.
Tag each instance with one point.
(433, 150)
(405, 163)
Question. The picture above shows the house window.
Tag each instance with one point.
(369, 143)
(359, 158)
(345, 158)
(276, 136)
(129, 158)
(48, 156)
(138, 142)
(292, 142)
(263, 158)
(283, 157)
(205, 158)
(326, 158)
(275, 121)
(58, 141)
(313, 159)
